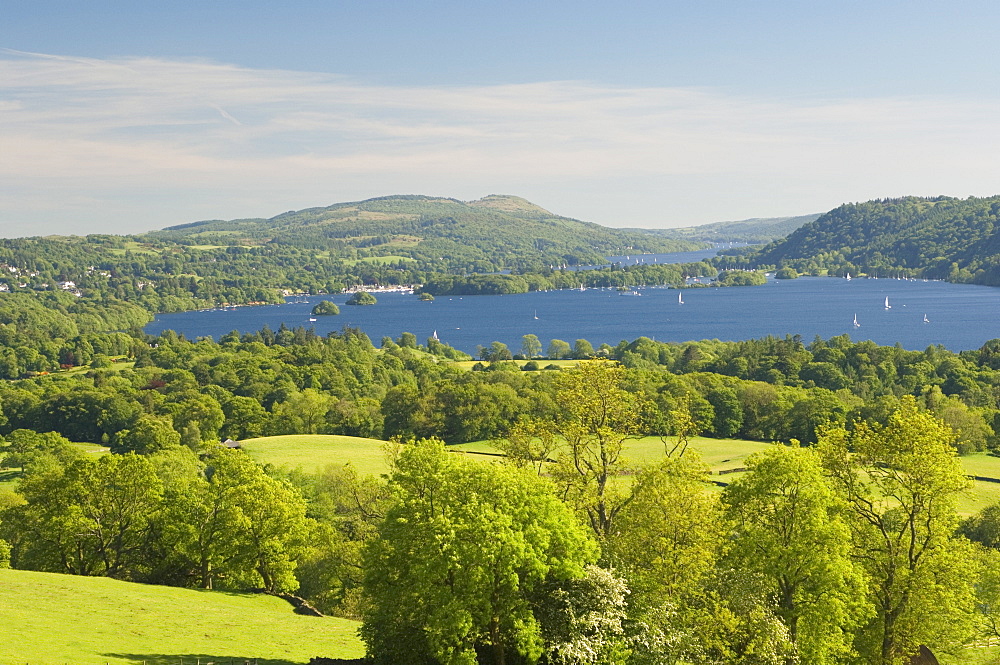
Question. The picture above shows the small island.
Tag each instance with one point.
(426, 297)
(325, 308)
(362, 298)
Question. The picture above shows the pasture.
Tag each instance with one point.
(314, 452)
(51, 619)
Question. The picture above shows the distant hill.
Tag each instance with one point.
(938, 238)
(496, 232)
(752, 231)
(74, 619)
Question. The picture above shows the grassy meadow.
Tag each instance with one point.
(314, 452)
(51, 619)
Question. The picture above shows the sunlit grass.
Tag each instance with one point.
(51, 619)
(314, 452)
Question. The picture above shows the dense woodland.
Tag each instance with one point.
(936, 238)
(841, 544)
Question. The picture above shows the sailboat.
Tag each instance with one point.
(680, 298)
(856, 324)
(848, 277)
(434, 335)
(536, 315)
(887, 305)
(582, 287)
(926, 320)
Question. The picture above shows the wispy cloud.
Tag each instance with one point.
(139, 143)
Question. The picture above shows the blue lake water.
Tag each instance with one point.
(961, 316)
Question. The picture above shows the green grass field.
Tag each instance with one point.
(51, 619)
(314, 452)
(718, 454)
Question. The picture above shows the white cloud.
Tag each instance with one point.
(97, 141)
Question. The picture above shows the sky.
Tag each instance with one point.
(122, 117)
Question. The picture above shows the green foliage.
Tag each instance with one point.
(740, 278)
(900, 484)
(362, 298)
(790, 530)
(325, 308)
(459, 557)
(786, 273)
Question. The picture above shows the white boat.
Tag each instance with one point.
(848, 277)
(312, 319)
(536, 315)
(887, 305)
(680, 298)
(434, 335)
(856, 324)
(582, 287)
(926, 320)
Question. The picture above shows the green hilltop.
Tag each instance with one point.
(495, 232)
(937, 238)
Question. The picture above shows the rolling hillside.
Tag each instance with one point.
(49, 619)
(493, 232)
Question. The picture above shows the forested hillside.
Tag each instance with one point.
(936, 238)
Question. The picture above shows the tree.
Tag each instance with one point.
(531, 347)
(92, 518)
(238, 525)
(495, 352)
(148, 435)
(559, 349)
(582, 349)
(789, 529)
(667, 537)
(301, 413)
(598, 415)
(900, 483)
(458, 558)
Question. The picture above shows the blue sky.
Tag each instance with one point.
(123, 117)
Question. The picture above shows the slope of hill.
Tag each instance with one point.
(49, 619)
(938, 238)
(751, 231)
(493, 233)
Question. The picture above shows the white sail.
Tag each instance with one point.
(887, 305)
(856, 324)
(926, 320)
(680, 298)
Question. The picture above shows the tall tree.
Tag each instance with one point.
(458, 557)
(789, 529)
(598, 416)
(901, 481)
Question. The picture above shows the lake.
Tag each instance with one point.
(961, 316)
